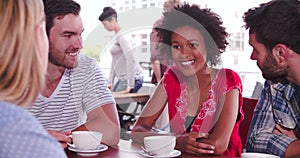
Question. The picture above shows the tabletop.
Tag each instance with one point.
(127, 149)
(124, 98)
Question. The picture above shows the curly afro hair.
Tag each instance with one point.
(207, 22)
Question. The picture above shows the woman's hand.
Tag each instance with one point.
(188, 143)
(62, 137)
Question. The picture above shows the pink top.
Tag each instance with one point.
(175, 86)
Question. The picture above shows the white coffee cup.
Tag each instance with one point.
(86, 140)
(160, 145)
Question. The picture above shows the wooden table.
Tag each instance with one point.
(125, 98)
(123, 150)
(127, 149)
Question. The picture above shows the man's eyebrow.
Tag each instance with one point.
(69, 32)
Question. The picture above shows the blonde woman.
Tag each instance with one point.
(23, 58)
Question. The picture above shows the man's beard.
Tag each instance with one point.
(59, 61)
(271, 70)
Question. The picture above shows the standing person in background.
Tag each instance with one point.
(274, 34)
(23, 66)
(158, 62)
(204, 102)
(76, 96)
(123, 67)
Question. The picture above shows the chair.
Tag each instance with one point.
(146, 66)
(126, 119)
(248, 107)
(257, 90)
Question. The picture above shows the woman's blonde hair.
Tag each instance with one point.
(22, 74)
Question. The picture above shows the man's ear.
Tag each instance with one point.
(280, 53)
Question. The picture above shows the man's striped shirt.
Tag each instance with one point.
(80, 90)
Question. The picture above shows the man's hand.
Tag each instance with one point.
(281, 130)
(63, 137)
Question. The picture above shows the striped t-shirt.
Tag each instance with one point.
(80, 90)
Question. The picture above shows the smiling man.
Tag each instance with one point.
(76, 96)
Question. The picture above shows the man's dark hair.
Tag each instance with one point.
(275, 22)
(59, 8)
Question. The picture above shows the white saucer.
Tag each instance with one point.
(173, 153)
(258, 155)
(100, 148)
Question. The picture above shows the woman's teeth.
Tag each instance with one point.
(187, 62)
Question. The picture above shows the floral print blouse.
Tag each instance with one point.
(175, 85)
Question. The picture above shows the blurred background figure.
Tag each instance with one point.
(124, 68)
(159, 63)
(23, 66)
(130, 77)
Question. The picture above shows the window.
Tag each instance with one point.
(144, 36)
(144, 6)
(144, 50)
(237, 41)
